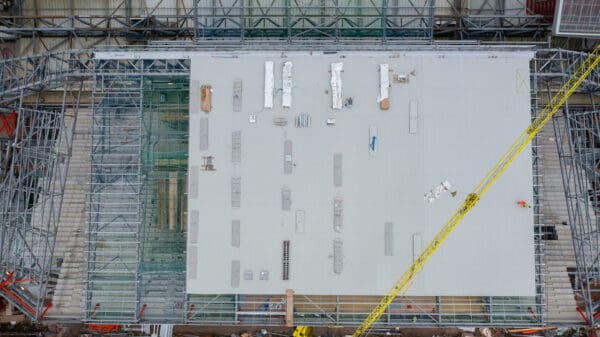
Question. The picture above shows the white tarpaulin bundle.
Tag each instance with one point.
(269, 84)
(384, 82)
(437, 191)
(336, 84)
(286, 99)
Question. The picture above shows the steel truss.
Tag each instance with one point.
(34, 160)
(297, 20)
(84, 24)
(31, 74)
(333, 21)
(578, 142)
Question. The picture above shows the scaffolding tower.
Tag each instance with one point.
(577, 133)
(136, 241)
(115, 197)
(35, 149)
(165, 158)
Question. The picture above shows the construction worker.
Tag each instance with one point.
(523, 204)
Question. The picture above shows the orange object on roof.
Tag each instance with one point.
(206, 98)
(104, 327)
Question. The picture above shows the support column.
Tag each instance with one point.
(9, 310)
(173, 201)
(289, 307)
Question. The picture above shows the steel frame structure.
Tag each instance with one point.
(34, 163)
(537, 185)
(300, 20)
(85, 24)
(65, 71)
(118, 286)
(578, 140)
(236, 309)
(117, 215)
(251, 309)
(577, 18)
(28, 75)
(114, 215)
(165, 156)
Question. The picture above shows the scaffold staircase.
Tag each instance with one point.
(115, 188)
(558, 254)
(68, 299)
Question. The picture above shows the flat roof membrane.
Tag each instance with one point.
(289, 192)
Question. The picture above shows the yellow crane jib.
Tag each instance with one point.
(303, 331)
(543, 116)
